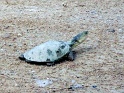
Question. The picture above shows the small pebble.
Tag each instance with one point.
(2, 49)
(73, 81)
(43, 83)
(65, 4)
(76, 86)
(6, 35)
(111, 30)
(94, 86)
(19, 35)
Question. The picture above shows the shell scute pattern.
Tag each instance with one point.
(62, 44)
(59, 52)
(47, 52)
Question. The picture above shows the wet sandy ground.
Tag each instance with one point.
(99, 66)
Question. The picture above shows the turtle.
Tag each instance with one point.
(52, 51)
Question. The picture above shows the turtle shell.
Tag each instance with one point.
(47, 52)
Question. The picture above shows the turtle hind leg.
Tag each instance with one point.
(21, 57)
(71, 56)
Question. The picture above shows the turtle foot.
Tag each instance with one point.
(71, 56)
(50, 64)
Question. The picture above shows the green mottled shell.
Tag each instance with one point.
(47, 52)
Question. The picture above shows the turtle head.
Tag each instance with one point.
(78, 39)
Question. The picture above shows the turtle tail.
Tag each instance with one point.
(21, 57)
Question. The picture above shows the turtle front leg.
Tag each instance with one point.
(71, 56)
